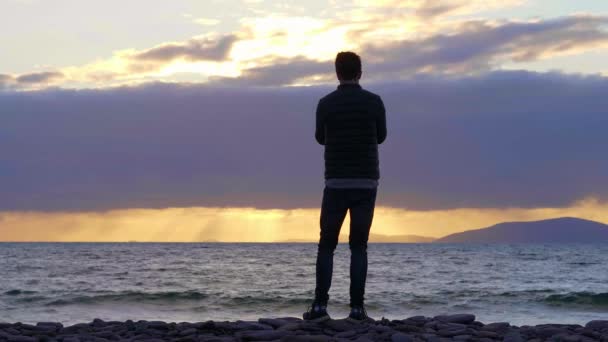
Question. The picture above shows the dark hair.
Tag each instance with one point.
(348, 65)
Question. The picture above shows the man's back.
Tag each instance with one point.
(351, 122)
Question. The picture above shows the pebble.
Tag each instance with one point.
(441, 328)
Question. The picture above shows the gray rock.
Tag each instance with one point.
(513, 336)
(462, 338)
(571, 338)
(261, 335)
(12, 331)
(290, 326)
(457, 318)
(187, 332)
(401, 337)
(346, 334)
(22, 339)
(488, 334)
(248, 325)
(496, 327)
(451, 332)
(597, 324)
(339, 324)
(306, 338)
(273, 322)
(548, 331)
(71, 339)
(430, 337)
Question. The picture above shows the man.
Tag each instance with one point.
(350, 122)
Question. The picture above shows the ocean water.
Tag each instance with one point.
(76, 282)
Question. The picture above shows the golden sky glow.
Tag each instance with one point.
(253, 225)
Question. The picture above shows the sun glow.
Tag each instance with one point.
(198, 224)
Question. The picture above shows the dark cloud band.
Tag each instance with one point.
(504, 139)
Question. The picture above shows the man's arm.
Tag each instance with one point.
(381, 122)
(320, 125)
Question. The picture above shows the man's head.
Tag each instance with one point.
(348, 66)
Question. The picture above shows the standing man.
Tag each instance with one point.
(350, 122)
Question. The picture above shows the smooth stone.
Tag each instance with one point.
(451, 332)
(339, 324)
(158, 325)
(346, 334)
(188, 332)
(247, 325)
(496, 327)
(549, 331)
(290, 326)
(382, 328)
(22, 339)
(456, 318)
(597, 324)
(273, 322)
(261, 335)
(71, 339)
(513, 337)
(462, 338)
(401, 337)
(571, 338)
(12, 331)
(488, 334)
(307, 338)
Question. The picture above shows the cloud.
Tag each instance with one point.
(280, 71)
(39, 77)
(496, 140)
(479, 46)
(193, 50)
(6, 81)
(476, 47)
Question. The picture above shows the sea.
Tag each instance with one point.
(524, 284)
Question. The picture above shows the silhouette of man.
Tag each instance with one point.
(350, 123)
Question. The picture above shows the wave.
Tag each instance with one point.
(131, 296)
(584, 298)
(17, 292)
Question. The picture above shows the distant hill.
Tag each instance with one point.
(563, 229)
(379, 238)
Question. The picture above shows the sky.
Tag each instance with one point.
(194, 120)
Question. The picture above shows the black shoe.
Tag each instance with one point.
(358, 313)
(316, 313)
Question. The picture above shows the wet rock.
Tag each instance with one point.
(457, 318)
(346, 334)
(451, 332)
(273, 322)
(497, 327)
(247, 325)
(187, 332)
(22, 339)
(487, 334)
(513, 336)
(261, 335)
(306, 338)
(401, 337)
(339, 324)
(548, 331)
(597, 324)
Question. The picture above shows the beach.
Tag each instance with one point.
(455, 327)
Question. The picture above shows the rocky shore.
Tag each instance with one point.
(459, 327)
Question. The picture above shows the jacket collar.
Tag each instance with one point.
(349, 86)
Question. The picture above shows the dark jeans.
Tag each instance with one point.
(336, 202)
